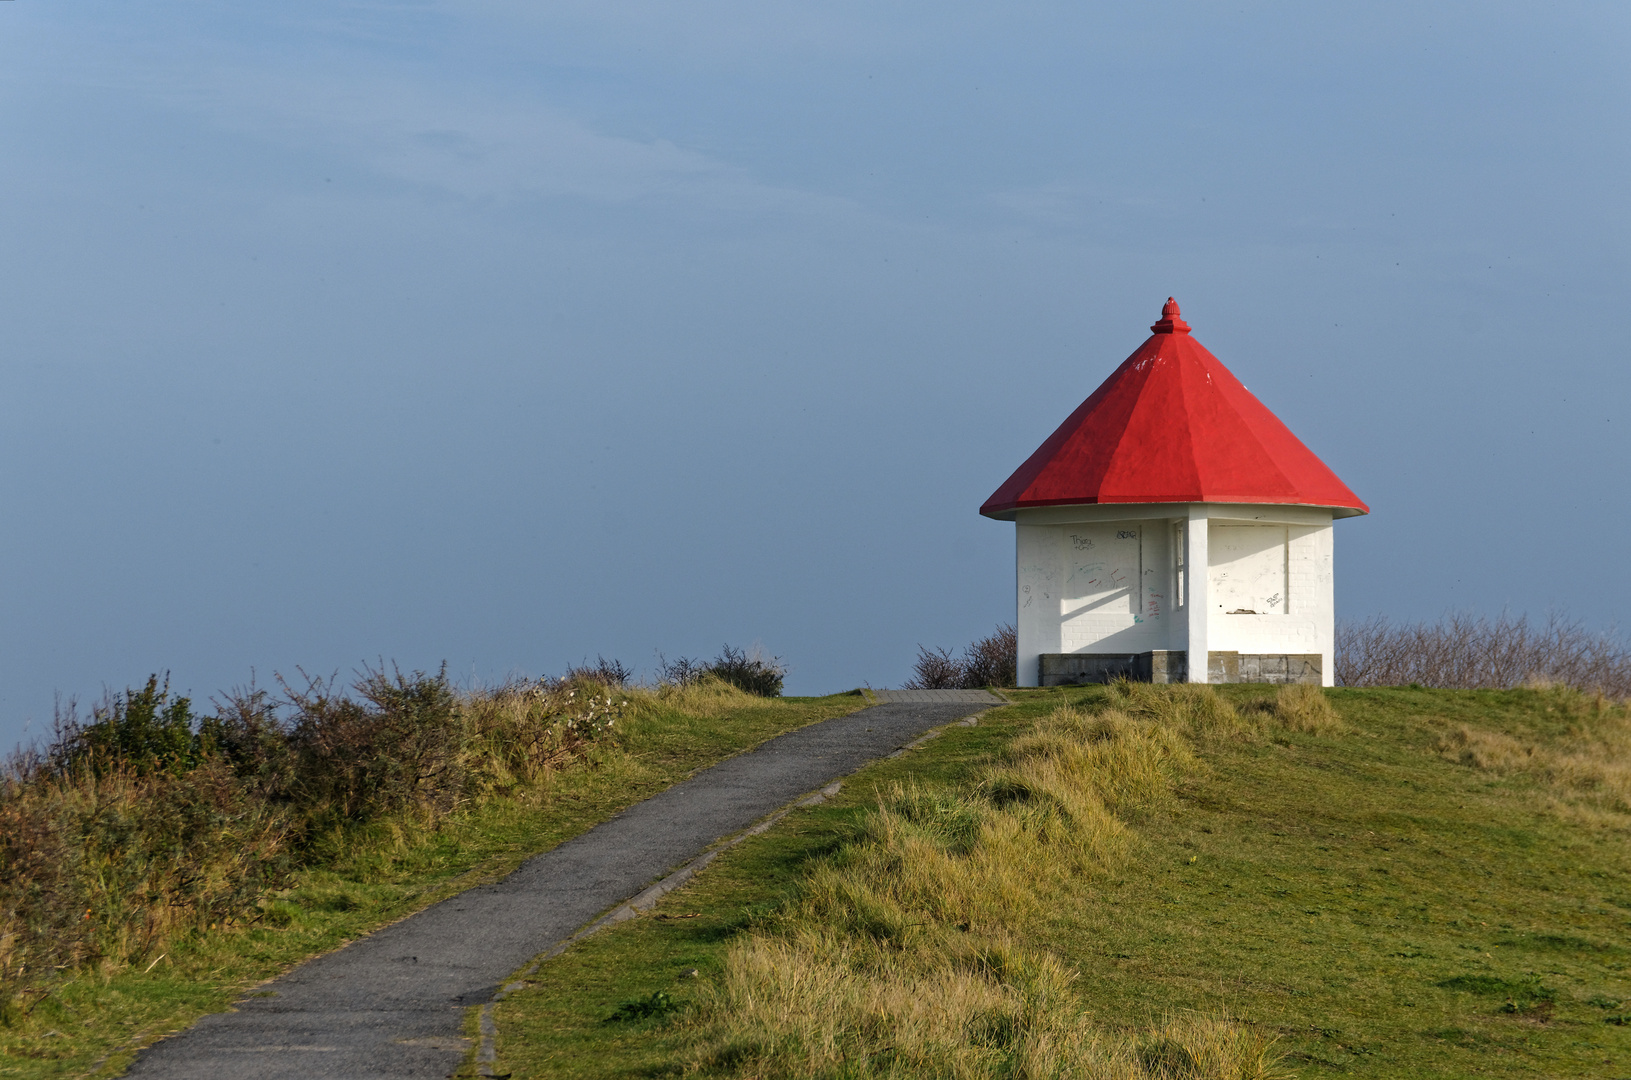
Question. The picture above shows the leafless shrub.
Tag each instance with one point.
(611, 674)
(993, 660)
(936, 669)
(1464, 651)
(990, 661)
(682, 671)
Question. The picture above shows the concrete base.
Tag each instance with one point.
(1076, 669)
(1234, 667)
(1172, 666)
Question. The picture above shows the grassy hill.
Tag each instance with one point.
(1150, 882)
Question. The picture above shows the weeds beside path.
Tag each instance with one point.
(92, 1020)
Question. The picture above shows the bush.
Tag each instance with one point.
(143, 730)
(398, 747)
(681, 672)
(936, 669)
(147, 820)
(608, 673)
(751, 673)
(247, 733)
(993, 660)
(990, 661)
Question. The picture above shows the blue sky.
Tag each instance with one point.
(511, 334)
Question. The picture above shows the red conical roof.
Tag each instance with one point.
(1172, 425)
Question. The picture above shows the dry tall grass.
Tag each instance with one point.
(1468, 652)
(908, 953)
(1587, 771)
(707, 696)
(1306, 708)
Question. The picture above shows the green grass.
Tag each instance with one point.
(93, 1022)
(1381, 909)
(563, 1023)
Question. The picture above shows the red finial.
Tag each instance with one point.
(1171, 322)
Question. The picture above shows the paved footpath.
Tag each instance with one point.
(392, 1004)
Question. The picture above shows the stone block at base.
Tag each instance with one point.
(1077, 669)
(1278, 668)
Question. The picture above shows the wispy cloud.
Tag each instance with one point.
(332, 91)
(483, 145)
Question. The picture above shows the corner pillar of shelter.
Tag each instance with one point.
(1197, 604)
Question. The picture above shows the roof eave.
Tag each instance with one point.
(1010, 511)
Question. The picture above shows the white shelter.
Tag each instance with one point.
(1173, 529)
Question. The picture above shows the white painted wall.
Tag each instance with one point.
(1196, 533)
(1038, 571)
(1248, 562)
(1112, 594)
(1106, 579)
